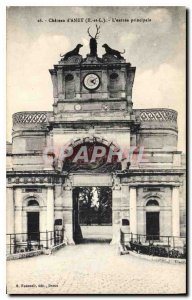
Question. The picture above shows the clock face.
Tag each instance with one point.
(91, 81)
(77, 107)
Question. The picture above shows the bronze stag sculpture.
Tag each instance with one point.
(93, 41)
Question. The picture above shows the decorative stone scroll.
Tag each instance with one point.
(92, 60)
(116, 182)
(68, 183)
(75, 59)
(156, 115)
(30, 118)
(107, 58)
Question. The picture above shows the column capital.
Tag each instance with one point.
(9, 186)
(68, 184)
(60, 70)
(50, 187)
(175, 187)
(18, 208)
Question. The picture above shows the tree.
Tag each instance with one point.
(105, 205)
(93, 209)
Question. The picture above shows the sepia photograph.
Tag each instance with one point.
(96, 150)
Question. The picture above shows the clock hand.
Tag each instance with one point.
(93, 81)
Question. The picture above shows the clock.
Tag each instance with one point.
(91, 81)
(77, 107)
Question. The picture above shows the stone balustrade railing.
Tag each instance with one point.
(156, 114)
(31, 117)
(143, 115)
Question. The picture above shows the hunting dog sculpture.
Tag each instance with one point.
(72, 52)
(111, 51)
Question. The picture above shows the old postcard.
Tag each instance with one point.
(96, 196)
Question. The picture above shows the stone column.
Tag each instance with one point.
(133, 210)
(61, 88)
(43, 225)
(104, 83)
(18, 223)
(68, 213)
(131, 75)
(18, 214)
(54, 81)
(123, 83)
(125, 207)
(175, 212)
(50, 212)
(24, 224)
(116, 207)
(10, 210)
(77, 84)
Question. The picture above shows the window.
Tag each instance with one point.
(152, 189)
(69, 77)
(33, 203)
(114, 76)
(58, 222)
(125, 222)
(152, 203)
(31, 190)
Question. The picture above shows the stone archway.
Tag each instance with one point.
(34, 212)
(91, 180)
(31, 217)
(92, 213)
(91, 173)
(92, 154)
(152, 219)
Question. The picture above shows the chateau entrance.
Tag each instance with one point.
(92, 213)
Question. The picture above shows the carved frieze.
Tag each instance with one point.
(34, 180)
(164, 179)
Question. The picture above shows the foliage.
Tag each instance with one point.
(94, 205)
(156, 250)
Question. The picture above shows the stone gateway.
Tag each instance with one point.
(59, 175)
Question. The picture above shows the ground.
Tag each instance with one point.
(95, 268)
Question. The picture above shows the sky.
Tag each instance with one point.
(155, 48)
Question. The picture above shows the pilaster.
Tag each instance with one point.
(175, 212)
(133, 210)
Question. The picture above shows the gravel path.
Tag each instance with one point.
(93, 269)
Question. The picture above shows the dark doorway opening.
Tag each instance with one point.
(152, 225)
(92, 214)
(33, 226)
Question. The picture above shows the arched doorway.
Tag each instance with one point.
(93, 155)
(152, 220)
(91, 162)
(33, 232)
